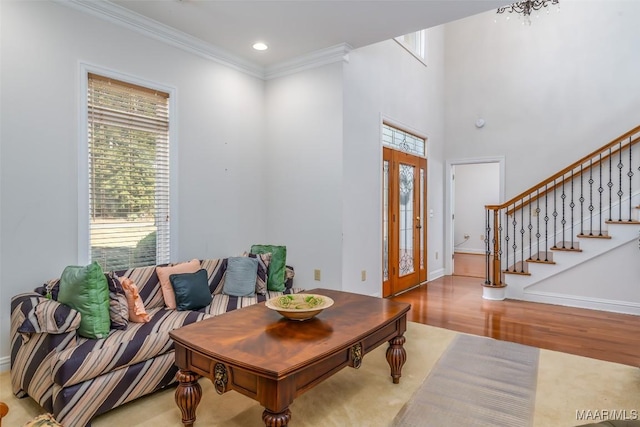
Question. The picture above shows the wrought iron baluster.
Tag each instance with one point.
(515, 240)
(555, 216)
(581, 202)
(600, 190)
(530, 227)
(610, 183)
(620, 192)
(630, 175)
(563, 222)
(506, 239)
(538, 224)
(572, 205)
(522, 235)
(546, 224)
(591, 197)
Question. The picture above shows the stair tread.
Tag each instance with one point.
(517, 272)
(519, 267)
(594, 236)
(632, 222)
(565, 249)
(540, 261)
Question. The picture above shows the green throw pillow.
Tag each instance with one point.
(191, 289)
(277, 267)
(85, 289)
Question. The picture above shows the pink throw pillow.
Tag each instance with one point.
(165, 284)
(137, 312)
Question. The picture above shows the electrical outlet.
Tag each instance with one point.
(466, 236)
(363, 275)
(316, 275)
(482, 237)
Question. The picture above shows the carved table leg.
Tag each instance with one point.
(4, 410)
(188, 396)
(396, 356)
(280, 419)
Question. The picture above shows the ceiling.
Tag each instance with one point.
(295, 28)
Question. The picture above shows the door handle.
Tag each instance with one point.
(419, 226)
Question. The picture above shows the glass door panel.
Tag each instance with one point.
(406, 256)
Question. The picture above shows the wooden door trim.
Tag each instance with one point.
(394, 282)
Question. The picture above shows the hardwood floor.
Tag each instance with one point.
(455, 303)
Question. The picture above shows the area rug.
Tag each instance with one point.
(477, 382)
(364, 397)
(567, 386)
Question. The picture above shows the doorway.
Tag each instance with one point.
(404, 225)
(473, 183)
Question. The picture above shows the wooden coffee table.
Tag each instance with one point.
(256, 352)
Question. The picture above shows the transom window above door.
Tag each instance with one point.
(403, 141)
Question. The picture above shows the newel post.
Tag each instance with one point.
(497, 273)
(493, 288)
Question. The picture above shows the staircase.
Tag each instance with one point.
(573, 239)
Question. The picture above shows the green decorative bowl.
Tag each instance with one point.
(299, 306)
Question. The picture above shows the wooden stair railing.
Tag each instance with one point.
(544, 218)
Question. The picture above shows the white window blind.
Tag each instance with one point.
(128, 129)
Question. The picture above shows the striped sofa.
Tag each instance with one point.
(76, 378)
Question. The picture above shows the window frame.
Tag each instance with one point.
(84, 230)
(420, 56)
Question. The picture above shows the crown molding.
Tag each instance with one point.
(134, 21)
(318, 58)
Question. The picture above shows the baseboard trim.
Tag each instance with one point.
(602, 304)
(436, 274)
(5, 363)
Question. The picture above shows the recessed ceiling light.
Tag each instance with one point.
(260, 46)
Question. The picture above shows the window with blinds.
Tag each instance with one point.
(128, 146)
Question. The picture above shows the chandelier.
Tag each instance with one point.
(526, 7)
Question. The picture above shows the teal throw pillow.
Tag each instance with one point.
(85, 289)
(191, 289)
(240, 277)
(277, 267)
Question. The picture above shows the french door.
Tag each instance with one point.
(404, 226)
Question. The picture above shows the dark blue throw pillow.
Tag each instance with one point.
(191, 289)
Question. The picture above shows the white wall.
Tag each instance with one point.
(220, 142)
(385, 81)
(476, 185)
(303, 165)
(614, 294)
(550, 92)
(325, 156)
